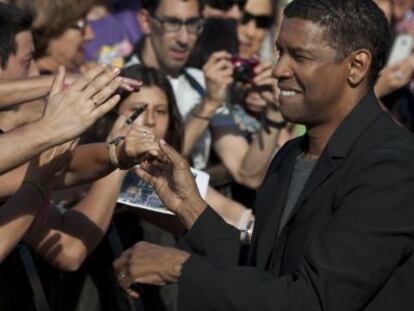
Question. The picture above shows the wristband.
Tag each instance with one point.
(112, 151)
(275, 124)
(195, 115)
(246, 225)
(246, 234)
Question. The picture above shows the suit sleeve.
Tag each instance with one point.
(212, 237)
(369, 234)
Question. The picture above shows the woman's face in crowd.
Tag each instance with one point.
(67, 49)
(250, 36)
(156, 116)
(400, 7)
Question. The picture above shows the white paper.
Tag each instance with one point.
(136, 193)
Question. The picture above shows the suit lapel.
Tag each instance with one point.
(322, 170)
(273, 198)
(332, 157)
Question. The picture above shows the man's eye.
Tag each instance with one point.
(299, 57)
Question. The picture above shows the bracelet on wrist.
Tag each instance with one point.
(246, 234)
(196, 115)
(274, 124)
(113, 152)
(245, 225)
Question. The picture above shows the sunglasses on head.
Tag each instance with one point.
(261, 21)
(225, 5)
(80, 25)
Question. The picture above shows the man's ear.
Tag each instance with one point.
(359, 66)
(143, 18)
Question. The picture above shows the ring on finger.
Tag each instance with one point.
(95, 103)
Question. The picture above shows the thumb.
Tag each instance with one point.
(58, 81)
(120, 123)
(176, 158)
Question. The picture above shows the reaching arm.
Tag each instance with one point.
(90, 162)
(218, 72)
(248, 165)
(17, 214)
(66, 239)
(69, 112)
(19, 91)
(197, 124)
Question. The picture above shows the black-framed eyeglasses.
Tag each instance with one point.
(225, 5)
(261, 21)
(172, 24)
(80, 25)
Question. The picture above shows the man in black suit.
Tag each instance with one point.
(334, 223)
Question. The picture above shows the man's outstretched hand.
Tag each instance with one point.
(170, 176)
(148, 263)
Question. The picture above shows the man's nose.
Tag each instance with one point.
(183, 35)
(282, 69)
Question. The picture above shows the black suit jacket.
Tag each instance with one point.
(347, 245)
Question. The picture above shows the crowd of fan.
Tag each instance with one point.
(73, 71)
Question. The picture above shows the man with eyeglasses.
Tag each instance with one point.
(171, 28)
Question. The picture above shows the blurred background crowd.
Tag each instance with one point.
(205, 76)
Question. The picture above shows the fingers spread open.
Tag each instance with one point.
(83, 81)
(100, 82)
(106, 106)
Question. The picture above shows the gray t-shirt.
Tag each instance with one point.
(300, 175)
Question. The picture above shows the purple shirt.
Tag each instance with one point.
(114, 38)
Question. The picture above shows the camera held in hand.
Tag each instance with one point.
(243, 68)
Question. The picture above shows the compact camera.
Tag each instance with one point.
(243, 68)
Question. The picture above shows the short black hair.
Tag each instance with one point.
(152, 5)
(349, 25)
(12, 21)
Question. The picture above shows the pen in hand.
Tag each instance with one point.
(136, 114)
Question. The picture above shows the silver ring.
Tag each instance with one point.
(121, 275)
(398, 75)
